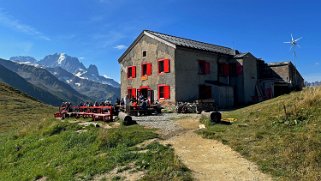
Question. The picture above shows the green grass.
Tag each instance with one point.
(19, 111)
(282, 135)
(34, 145)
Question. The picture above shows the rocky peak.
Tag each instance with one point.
(23, 59)
(92, 69)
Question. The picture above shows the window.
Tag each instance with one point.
(144, 53)
(239, 69)
(146, 69)
(163, 91)
(205, 91)
(223, 69)
(232, 69)
(163, 66)
(235, 69)
(131, 92)
(203, 67)
(131, 72)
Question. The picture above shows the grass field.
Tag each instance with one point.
(33, 146)
(282, 135)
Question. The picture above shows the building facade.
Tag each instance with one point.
(173, 69)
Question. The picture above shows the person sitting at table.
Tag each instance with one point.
(134, 104)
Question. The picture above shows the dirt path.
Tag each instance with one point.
(210, 159)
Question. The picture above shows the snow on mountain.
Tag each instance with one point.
(94, 90)
(71, 64)
(61, 58)
(23, 59)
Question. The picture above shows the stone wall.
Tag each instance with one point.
(155, 50)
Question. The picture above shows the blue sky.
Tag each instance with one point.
(98, 31)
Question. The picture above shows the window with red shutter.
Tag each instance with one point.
(166, 65)
(163, 66)
(129, 72)
(203, 67)
(166, 92)
(163, 92)
(146, 69)
(133, 71)
(133, 93)
(223, 69)
(149, 69)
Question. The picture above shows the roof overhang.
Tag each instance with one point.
(140, 36)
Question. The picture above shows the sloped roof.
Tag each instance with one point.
(184, 42)
(174, 41)
(273, 64)
(241, 55)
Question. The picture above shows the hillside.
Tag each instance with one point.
(281, 135)
(45, 80)
(18, 110)
(21, 84)
(35, 146)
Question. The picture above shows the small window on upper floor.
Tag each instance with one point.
(144, 53)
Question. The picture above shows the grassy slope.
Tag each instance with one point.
(17, 110)
(288, 146)
(34, 145)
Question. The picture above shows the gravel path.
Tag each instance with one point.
(208, 159)
(164, 122)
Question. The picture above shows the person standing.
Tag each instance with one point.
(126, 103)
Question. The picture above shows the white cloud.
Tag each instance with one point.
(120, 47)
(11, 22)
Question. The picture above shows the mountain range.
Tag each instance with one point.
(13, 79)
(60, 77)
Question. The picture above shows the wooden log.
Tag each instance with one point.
(127, 120)
(214, 116)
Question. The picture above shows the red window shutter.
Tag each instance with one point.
(207, 68)
(239, 69)
(166, 65)
(134, 92)
(149, 69)
(166, 92)
(226, 70)
(133, 71)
